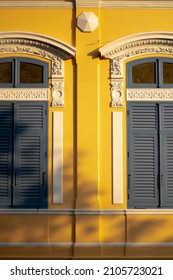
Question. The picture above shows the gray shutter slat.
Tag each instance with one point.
(143, 155)
(166, 152)
(5, 154)
(30, 163)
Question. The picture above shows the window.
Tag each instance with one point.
(155, 72)
(22, 72)
(150, 138)
(23, 137)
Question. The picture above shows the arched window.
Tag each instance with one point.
(22, 72)
(155, 72)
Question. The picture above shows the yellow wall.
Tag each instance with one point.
(87, 145)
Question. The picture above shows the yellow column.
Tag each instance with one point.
(87, 200)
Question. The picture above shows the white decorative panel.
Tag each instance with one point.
(117, 157)
(57, 157)
(27, 94)
(150, 94)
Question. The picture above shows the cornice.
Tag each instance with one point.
(87, 3)
(36, 4)
(136, 4)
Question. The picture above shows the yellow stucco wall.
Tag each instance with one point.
(87, 146)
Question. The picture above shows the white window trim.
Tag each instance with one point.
(118, 51)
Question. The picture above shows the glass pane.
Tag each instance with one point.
(144, 73)
(167, 73)
(30, 73)
(6, 72)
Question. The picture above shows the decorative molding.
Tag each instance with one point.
(36, 4)
(135, 4)
(152, 43)
(117, 94)
(44, 47)
(45, 43)
(153, 94)
(57, 94)
(100, 212)
(27, 94)
(128, 4)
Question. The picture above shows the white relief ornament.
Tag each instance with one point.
(24, 94)
(149, 94)
(116, 67)
(57, 94)
(116, 94)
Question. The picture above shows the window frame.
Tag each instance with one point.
(158, 73)
(16, 73)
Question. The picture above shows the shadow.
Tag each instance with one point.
(23, 149)
(94, 54)
(79, 219)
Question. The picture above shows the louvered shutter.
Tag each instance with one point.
(5, 154)
(166, 154)
(30, 163)
(143, 155)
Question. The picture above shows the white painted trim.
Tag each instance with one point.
(149, 94)
(132, 46)
(27, 94)
(131, 41)
(70, 50)
(57, 157)
(117, 157)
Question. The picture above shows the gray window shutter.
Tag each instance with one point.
(166, 154)
(30, 163)
(143, 155)
(5, 154)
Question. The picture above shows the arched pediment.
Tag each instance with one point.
(42, 46)
(149, 43)
(63, 50)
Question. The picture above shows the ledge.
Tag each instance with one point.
(97, 212)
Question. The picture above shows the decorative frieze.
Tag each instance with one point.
(32, 94)
(154, 94)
